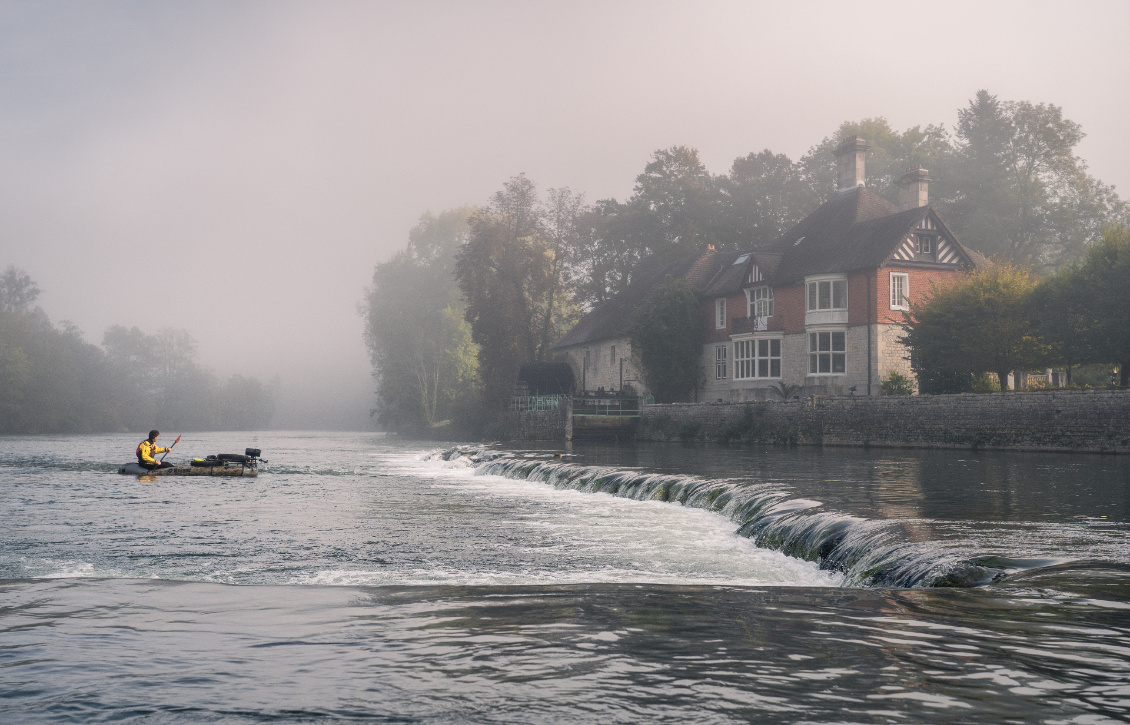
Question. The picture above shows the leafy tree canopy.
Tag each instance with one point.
(423, 359)
(667, 335)
(512, 272)
(978, 324)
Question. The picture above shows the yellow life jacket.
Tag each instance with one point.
(146, 450)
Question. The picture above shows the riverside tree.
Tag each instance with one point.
(512, 272)
(1083, 312)
(667, 335)
(981, 324)
(424, 362)
(53, 381)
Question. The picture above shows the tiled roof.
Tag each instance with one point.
(856, 229)
(612, 317)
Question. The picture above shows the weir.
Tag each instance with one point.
(596, 416)
(868, 553)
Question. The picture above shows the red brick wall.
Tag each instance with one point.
(788, 309)
(789, 301)
(735, 307)
(920, 283)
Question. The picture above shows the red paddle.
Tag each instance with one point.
(170, 448)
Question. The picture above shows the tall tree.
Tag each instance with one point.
(891, 154)
(17, 290)
(510, 275)
(1021, 192)
(1083, 312)
(763, 195)
(667, 334)
(423, 359)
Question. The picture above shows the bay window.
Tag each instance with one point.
(827, 294)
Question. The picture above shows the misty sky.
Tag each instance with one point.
(236, 168)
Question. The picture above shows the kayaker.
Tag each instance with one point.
(147, 449)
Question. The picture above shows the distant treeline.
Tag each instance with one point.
(52, 381)
(479, 291)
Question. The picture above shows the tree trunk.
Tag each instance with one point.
(1124, 373)
(1003, 375)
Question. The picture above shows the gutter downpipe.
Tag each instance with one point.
(870, 305)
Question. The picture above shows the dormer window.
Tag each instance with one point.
(924, 244)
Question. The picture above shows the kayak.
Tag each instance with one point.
(229, 468)
(245, 465)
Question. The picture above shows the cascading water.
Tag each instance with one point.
(869, 553)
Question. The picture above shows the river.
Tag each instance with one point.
(361, 577)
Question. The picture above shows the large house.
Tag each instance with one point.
(820, 307)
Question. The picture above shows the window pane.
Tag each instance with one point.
(775, 348)
(838, 341)
(812, 346)
(825, 295)
(763, 368)
(837, 362)
(774, 368)
(839, 295)
(825, 341)
(763, 348)
(812, 295)
(812, 363)
(825, 363)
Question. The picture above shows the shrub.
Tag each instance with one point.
(897, 384)
(985, 383)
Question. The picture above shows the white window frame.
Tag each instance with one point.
(720, 361)
(759, 297)
(758, 358)
(900, 291)
(720, 313)
(814, 296)
(817, 353)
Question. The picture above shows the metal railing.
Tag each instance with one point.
(747, 324)
(534, 403)
(617, 407)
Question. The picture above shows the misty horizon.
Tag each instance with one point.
(237, 170)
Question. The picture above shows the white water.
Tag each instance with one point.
(584, 538)
(337, 509)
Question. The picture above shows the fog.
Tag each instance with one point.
(236, 169)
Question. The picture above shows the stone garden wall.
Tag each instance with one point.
(1077, 420)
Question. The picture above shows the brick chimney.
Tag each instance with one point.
(851, 155)
(914, 189)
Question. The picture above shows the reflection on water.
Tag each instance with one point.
(459, 597)
(597, 653)
(946, 485)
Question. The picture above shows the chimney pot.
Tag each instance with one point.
(851, 156)
(914, 188)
